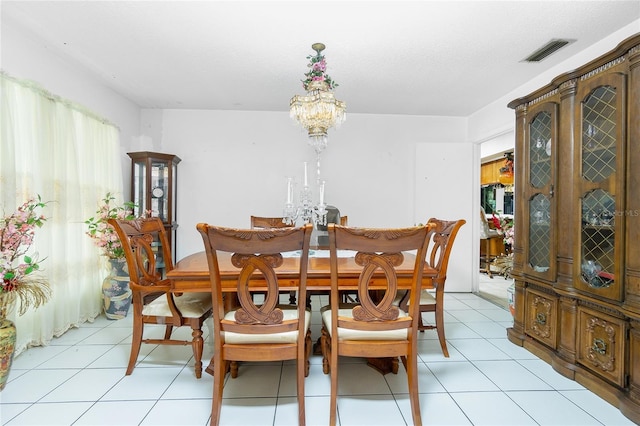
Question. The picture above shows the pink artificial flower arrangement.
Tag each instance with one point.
(17, 232)
(317, 72)
(103, 234)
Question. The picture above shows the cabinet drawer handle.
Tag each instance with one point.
(541, 318)
(599, 346)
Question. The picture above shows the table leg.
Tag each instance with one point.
(384, 365)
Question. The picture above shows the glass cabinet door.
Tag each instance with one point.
(153, 189)
(538, 189)
(601, 151)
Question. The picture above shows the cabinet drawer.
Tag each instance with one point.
(541, 319)
(601, 344)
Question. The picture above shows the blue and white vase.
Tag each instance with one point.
(116, 294)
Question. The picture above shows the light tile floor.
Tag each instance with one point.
(79, 380)
(495, 289)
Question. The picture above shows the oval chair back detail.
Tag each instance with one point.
(257, 332)
(147, 251)
(265, 222)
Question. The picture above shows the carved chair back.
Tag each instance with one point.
(267, 222)
(258, 331)
(148, 254)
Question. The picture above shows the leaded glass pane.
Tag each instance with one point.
(598, 237)
(540, 233)
(540, 150)
(599, 134)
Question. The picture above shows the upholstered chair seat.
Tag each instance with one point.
(284, 337)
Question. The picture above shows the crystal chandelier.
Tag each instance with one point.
(319, 109)
(316, 111)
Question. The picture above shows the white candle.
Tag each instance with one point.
(321, 192)
(306, 182)
(289, 191)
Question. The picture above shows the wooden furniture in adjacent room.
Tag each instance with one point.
(577, 218)
(490, 172)
(375, 328)
(263, 332)
(153, 189)
(153, 299)
(491, 244)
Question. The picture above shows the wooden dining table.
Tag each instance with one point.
(191, 274)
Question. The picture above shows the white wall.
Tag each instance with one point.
(443, 175)
(234, 164)
(25, 56)
(494, 148)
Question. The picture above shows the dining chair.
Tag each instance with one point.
(491, 244)
(441, 239)
(153, 301)
(258, 332)
(374, 327)
(268, 222)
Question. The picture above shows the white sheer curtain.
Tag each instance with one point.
(52, 147)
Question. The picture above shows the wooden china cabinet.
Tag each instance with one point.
(577, 218)
(153, 189)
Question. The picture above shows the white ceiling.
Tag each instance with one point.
(389, 57)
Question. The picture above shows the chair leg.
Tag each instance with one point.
(198, 346)
(302, 371)
(394, 365)
(440, 327)
(333, 409)
(136, 341)
(412, 376)
(325, 345)
(308, 345)
(218, 383)
(487, 258)
(167, 332)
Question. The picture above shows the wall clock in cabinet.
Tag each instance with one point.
(153, 189)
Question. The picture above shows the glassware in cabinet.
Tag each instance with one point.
(601, 151)
(538, 190)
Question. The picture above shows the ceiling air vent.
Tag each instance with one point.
(547, 50)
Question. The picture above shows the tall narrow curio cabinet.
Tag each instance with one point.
(577, 219)
(153, 189)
